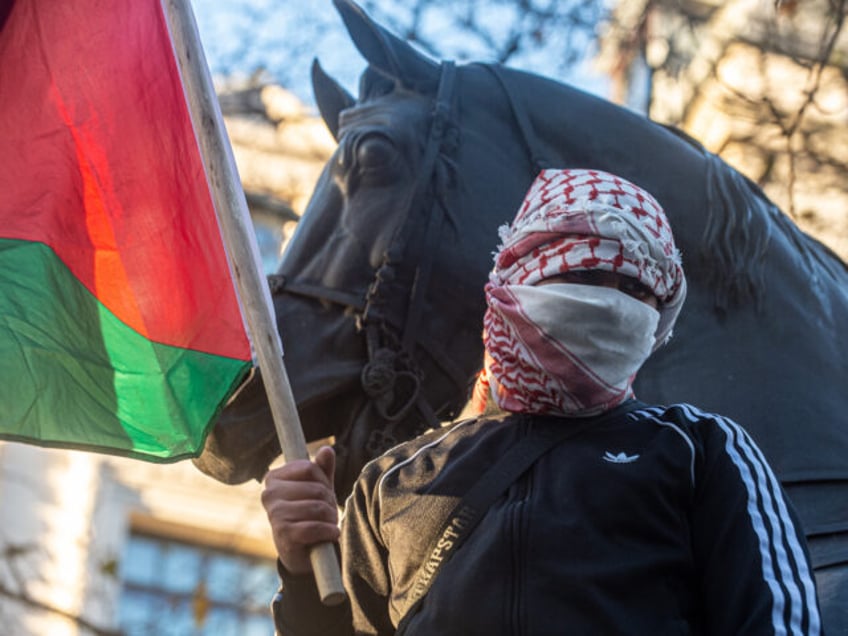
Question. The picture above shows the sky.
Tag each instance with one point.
(240, 35)
(283, 36)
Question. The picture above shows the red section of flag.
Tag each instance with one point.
(101, 164)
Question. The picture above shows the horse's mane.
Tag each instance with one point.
(736, 235)
(739, 218)
(740, 223)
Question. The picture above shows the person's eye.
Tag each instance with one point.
(585, 277)
(633, 287)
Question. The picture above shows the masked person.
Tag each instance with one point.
(627, 518)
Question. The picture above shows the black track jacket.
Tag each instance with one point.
(658, 521)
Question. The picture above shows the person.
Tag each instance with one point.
(639, 519)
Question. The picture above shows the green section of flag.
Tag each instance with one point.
(73, 375)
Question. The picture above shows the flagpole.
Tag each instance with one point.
(234, 218)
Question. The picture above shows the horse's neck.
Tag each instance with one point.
(577, 128)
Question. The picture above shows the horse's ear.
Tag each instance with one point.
(385, 51)
(330, 96)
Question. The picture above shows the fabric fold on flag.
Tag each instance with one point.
(120, 329)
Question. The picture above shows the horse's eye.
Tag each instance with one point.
(375, 151)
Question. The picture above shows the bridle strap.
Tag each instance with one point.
(433, 222)
(391, 369)
(425, 216)
(281, 283)
(531, 142)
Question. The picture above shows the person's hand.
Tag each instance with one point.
(301, 506)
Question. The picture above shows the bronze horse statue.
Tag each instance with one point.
(379, 295)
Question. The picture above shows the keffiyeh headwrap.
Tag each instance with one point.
(574, 220)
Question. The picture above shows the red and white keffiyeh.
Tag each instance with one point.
(575, 349)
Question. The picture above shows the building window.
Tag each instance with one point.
(172, 588)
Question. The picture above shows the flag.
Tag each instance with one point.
(120, 330)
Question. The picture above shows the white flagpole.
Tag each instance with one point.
(240, 242)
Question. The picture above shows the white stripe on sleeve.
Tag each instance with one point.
(762, 487)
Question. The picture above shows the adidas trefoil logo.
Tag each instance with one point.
(620, 458)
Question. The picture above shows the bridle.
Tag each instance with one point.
(528, 136)
(391, 369)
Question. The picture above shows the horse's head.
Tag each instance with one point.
(379, 297)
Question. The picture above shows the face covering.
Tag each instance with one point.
(574, 349)
(591, 220)
(565, 349)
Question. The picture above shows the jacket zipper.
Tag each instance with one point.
(521, 492)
